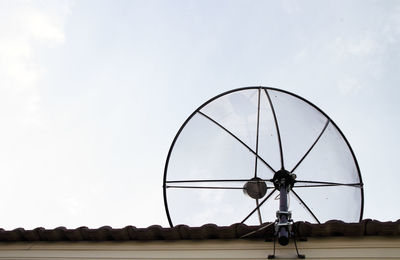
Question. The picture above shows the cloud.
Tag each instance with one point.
(349, 86)
(42, 27)
(366, 56)
(359, 47)
(25, 28)
(391, 29)
(72, 205)
(291, 7)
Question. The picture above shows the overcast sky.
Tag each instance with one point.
(92, 94)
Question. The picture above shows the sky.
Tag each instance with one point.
(92, 94)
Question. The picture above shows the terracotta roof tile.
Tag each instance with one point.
(366, 227)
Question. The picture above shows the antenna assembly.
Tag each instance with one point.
(264, 142)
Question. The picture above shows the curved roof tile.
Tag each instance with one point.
(366, 227)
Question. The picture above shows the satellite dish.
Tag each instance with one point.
(250, 154)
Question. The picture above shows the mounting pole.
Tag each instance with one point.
(283, 181)
(282, 214)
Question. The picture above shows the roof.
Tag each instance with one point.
(366, 227)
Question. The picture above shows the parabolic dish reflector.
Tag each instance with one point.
(221, 165)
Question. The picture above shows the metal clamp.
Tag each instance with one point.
(287, 213)
(288, 225)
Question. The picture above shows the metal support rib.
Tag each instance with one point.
(312, 146)
(258, 230)
(305, 205)
(277, 129)
(234, 136)
(257, 131)
(220, 180)
(258, 211)
(262, 202)
(325, 183)
(356, 185)
(256, 159)
(204, 187)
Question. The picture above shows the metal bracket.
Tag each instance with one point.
(287, 213)
(288, 224)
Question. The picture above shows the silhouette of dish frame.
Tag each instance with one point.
(256, 187)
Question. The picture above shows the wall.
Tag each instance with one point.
(314, 248)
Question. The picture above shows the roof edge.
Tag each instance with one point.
(366, 227)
